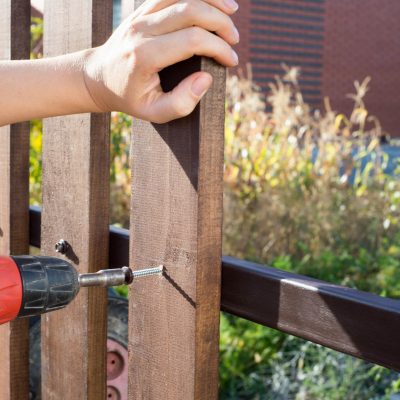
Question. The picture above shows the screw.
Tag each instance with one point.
(148, 272)
(62, 246)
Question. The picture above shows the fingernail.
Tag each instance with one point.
(200, 86)
(235, 57)
(236, 34)
(231, 4)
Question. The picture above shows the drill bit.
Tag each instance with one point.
(116, 277)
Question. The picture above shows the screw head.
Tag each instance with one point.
(61, 246)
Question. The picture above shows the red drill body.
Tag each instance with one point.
(10, 290)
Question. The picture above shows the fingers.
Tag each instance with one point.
(162, 51)
(186, 14)
(151, 6)
(181, 101)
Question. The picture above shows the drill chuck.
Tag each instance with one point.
(107, 277)
(35, 285)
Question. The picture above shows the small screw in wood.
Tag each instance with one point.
(62, 246)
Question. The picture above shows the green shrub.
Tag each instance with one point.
(258, 363)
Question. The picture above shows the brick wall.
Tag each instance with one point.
(334, 42)
(242, 22)
(284, 31)
(362, 38)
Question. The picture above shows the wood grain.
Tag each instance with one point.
(14, 201)
(176, 220)
(76, 208)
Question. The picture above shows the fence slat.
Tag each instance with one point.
(176, 220)
(75, 208)
(14, 200)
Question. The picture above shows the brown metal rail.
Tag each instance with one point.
(347, 320)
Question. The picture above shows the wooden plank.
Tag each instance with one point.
(14, 201)
(176, 220)
(75, 208)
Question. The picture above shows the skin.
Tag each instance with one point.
(122, 74)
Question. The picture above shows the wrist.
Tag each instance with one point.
(93, 81)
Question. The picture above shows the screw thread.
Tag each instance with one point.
(148, 272)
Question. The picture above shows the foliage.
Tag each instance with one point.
(35, 163)
(121, 126)
(305, 184)
(36, 37)
(258, 363)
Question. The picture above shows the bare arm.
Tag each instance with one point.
(44, 88)
(122, 75)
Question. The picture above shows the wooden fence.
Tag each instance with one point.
(176, 220)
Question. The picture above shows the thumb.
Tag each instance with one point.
(182, 100)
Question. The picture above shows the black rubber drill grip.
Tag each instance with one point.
(48, 284)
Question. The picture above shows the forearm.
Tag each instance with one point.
(44, 88)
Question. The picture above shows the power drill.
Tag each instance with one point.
(32, 285)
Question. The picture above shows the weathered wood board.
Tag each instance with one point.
(76, 209)
(177, 187)
(14, 201)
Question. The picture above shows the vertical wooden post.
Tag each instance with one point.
(76, 208)
(177, 186)
(14, 201)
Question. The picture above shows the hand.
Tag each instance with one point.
(122, 75)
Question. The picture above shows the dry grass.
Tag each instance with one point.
(300, 181)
